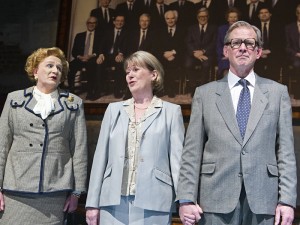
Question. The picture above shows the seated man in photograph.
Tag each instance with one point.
(171, 52)
(201, 50)
(84, 52)
(292, 33)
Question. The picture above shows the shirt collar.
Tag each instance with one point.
(155, 102)
(233, 79)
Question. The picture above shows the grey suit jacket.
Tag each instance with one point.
(218, 161)
(37, 155)
(160, 150)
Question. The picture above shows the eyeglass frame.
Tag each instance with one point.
(243, 41)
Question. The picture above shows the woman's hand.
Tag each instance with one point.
(92, 216)
(1, 201)
(71, 204)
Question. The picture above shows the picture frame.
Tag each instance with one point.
(73, 15)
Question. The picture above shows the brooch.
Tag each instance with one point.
(70, 98)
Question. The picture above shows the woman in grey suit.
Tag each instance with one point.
(136, 163)
(43, 151)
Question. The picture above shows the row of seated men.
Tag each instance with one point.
(187, 51)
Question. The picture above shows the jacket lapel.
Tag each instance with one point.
(258, 106)
(124, 120)
(150, 118)
(226, 110)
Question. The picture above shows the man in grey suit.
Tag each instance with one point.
(232, 172)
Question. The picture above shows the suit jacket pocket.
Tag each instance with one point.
(208, 168)
(162, 176)
(273, 170)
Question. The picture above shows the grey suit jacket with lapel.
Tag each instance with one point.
(43, 155)
(158, 168)
(218, 161)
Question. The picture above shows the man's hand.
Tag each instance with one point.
(189, 213)
(71, 204)
(284, 215)
(119, 58)
(92, 216)
(100, 59)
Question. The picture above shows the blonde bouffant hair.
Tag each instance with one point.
(34, 60)
(148, 61)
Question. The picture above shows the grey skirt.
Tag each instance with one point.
(33, 209)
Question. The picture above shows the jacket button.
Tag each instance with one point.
(240, 174)
(43, 124)
(30, 145)
(31, 124)
(41, 145)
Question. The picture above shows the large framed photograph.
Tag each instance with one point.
(74, 20)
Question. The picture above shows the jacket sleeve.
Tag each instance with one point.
(286, 161)
(176, 144)
(6, 136)
(99, 162)
(79, 145)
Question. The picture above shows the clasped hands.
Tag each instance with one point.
(189, 213)
(119, 58)
(199, 54)
(169, 55)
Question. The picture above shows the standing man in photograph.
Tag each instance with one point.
(238, 165)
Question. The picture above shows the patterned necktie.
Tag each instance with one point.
(243, 107)
(87, 44)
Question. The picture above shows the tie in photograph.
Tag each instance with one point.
(87, 44)
(142, 38)
(171, 32)
(106, 15)
(265, 36)
(243, 107)
(253, 11)
(202, 33)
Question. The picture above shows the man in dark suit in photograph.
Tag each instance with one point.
(112, 53)
(200, 50)
(131, 12)
(142, 38)
(270, 63)
(104, 14)
(171, 52)
(292, 48)
(250, 11)
(186, 12)
(158, 14)
(238, 164)
(85, 52)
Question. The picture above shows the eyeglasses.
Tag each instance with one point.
(235, 43)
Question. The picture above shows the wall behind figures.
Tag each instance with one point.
(25, 26)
